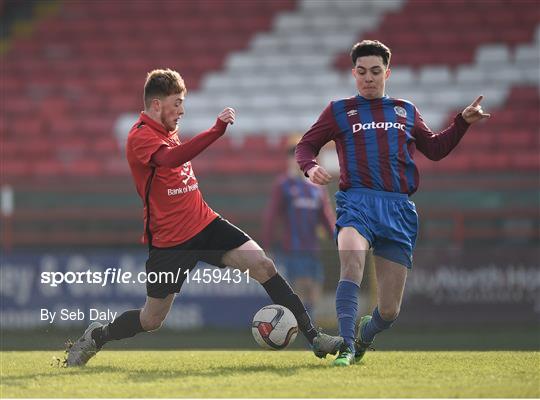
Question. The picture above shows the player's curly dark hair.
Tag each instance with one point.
(161, 83)
(371, 48)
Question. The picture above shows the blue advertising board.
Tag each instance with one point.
(74, 288)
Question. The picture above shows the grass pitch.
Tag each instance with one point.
(272, 374)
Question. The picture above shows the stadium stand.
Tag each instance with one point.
(449, 34)
(299, 54)
(78, 70)
(73, 80)
(509, 140)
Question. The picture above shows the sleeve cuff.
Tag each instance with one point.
(461, 121)
(308, 166)
(221, 125)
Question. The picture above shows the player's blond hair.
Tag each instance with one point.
(161, 83)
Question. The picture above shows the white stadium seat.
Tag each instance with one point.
(286, 77)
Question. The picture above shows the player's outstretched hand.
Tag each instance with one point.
(227, 115)
(474, 112)
(319, 175)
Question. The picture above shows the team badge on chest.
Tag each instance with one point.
(400, 111)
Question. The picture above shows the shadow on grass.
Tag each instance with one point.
(15, 380)
(222, 372)
(151, 375)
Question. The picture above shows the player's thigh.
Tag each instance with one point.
(353, 248)
(166, 270)
(219, 239)
(244, 255)
(391, 278)
(250, 256)
(155, 310)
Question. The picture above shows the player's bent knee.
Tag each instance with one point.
(263, 269)
(266, 266)
(350, 266)
(152, 323)
(352, 270)
(389, 313)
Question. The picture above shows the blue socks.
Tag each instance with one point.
(347, 309)
(376, 325)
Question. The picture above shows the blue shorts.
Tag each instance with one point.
(387, 220)
(301, 265)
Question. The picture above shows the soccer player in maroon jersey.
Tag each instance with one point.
(180, 228)
(375, 136)
(299, 208)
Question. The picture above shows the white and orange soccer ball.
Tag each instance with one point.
(274, 327)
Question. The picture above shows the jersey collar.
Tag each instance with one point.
(156, 125)
(379, 98)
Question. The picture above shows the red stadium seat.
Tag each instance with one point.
(451, 27)
(15, 170)
(85, 168)
(526, 161)
(255, 144)
(48, 169)
(457, 163)
(69, 81)
(510, 139)
(513, 139)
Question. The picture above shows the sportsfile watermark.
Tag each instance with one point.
(74, 289)
(118, 276)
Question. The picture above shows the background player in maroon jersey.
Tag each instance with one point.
(301, 212)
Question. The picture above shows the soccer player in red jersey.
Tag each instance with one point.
(376, 136)
(180, 228)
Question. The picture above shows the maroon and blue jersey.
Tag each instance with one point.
(298, 207)
(375, 142)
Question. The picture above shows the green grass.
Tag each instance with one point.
(418, 338)
(273, 374)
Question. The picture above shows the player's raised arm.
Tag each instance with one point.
(436, 146)
(227, 115)
(173, 157)
(474, 112)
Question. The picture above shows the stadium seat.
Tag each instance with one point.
(513, 129)
(507, 23)
(279, 63)
(85, 66)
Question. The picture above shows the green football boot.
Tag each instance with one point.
(345, 357)
(360, 346)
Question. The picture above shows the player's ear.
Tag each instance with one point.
(387, 73)
(156, 104)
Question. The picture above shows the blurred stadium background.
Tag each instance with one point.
(72, 74)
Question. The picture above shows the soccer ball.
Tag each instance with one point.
(274, 327)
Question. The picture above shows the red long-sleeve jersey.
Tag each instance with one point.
(174, 209)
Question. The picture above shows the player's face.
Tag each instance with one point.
(292, 166)
(370, 74)
(171, 110)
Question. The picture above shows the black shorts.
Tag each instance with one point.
(209, 245)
